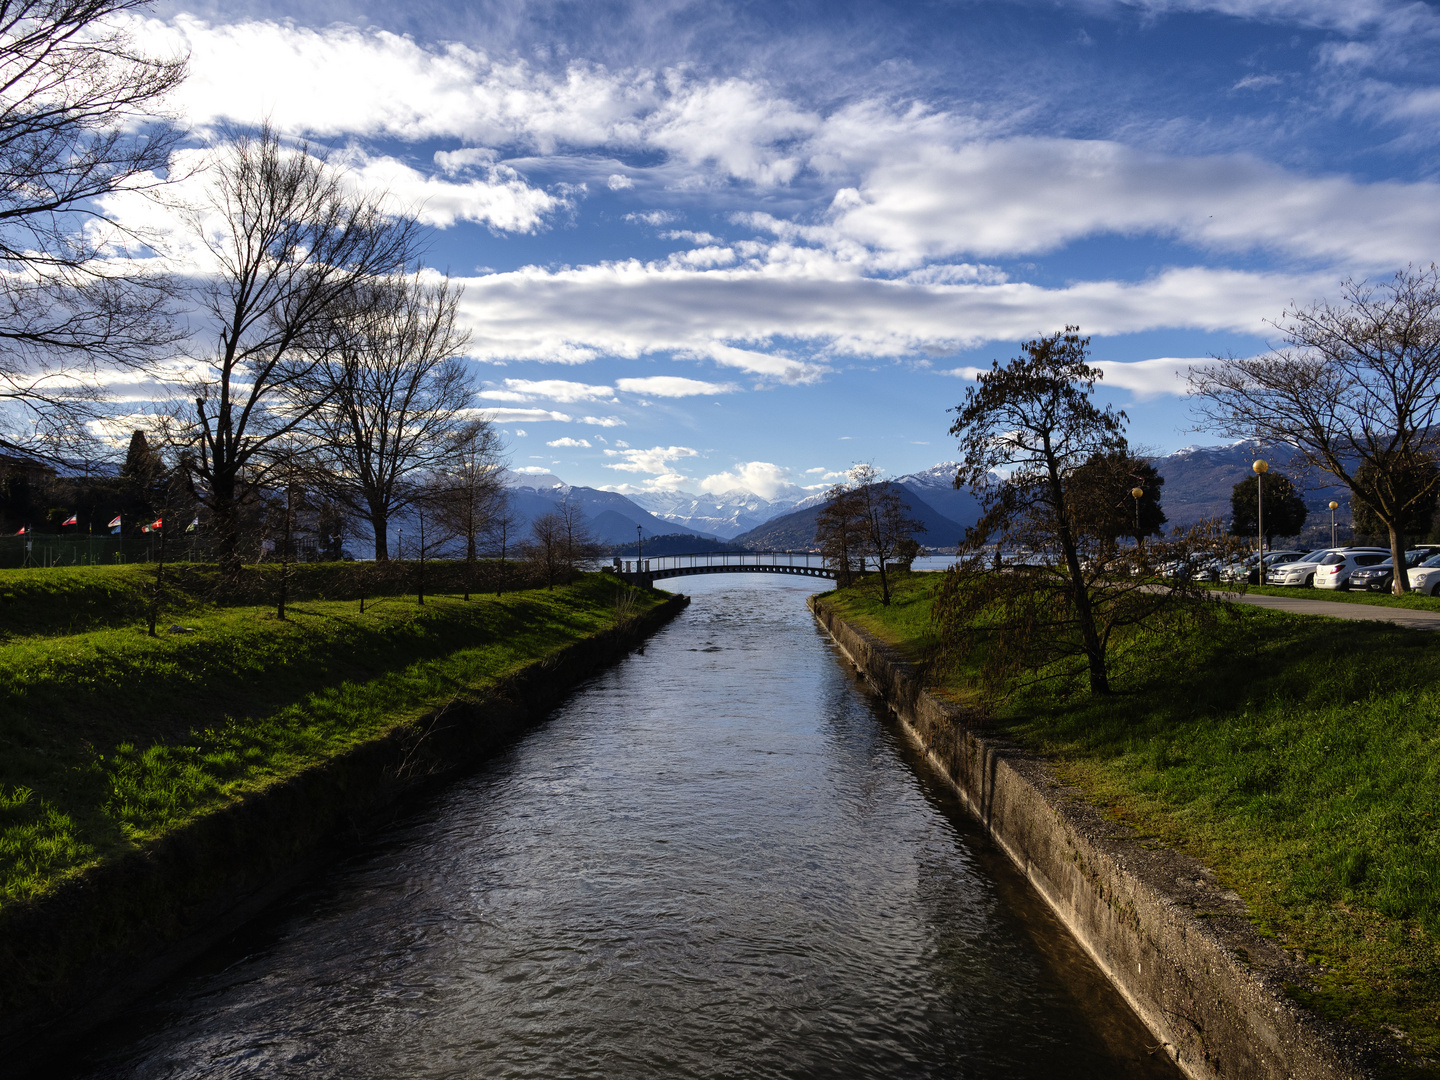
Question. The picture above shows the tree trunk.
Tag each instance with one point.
(225, 528)
(380, 525)
(1079, 594)
(1400, 580)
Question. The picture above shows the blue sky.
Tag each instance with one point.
(711, 245)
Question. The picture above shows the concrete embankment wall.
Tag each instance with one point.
(1176, 945)
(76, 955)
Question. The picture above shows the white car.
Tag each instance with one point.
(1333, 571)
(1302, 571)
(1425, 578)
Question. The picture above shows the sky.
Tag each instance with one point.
(710, 245)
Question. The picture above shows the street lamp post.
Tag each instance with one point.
(1261, 467)
(638, 535)
(1137, 492)
(1334, 541)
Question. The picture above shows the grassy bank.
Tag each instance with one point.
(1298, 757)
(109, 737)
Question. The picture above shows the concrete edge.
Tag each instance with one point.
(77, 956)
(1179, 948)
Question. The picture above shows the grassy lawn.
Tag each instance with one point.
(109, 737)
(1297, 756)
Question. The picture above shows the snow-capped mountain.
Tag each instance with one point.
(731, 513)
(725, 515)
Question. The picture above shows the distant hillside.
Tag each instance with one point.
(612, 518)
(1199, 479)
(672, 544)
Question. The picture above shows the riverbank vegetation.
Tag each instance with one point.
(1296, 756)
(110, 737)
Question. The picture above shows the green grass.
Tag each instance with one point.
(109, 738)
(1297, 756)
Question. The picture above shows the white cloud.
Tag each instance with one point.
(655, 460)
(1255, 82)
(652, 217)
(618, 182)
(1030, 195)
(559, 390)
(567, 441)
(762, 477)
(342, 80)
(702, 238)
(732, 316)
(1144, 378)
(672, 386)
(502, 201)
(529, 416)
(601, 421)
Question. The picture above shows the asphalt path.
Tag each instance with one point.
(1300, 605)
(1335, 609)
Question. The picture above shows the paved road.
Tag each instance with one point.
(1300, 605)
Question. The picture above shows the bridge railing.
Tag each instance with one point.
(731, 559)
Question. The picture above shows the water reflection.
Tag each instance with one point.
(715, 860)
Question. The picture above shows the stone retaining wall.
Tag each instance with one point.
(1177, 946)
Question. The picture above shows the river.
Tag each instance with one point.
(717, 859)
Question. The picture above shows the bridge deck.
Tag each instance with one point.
(648, 571)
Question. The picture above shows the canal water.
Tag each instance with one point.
(718, 859)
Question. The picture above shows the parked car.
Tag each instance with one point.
(1248, 569)
(1334, 570)
(1381, 576)
(1299, 572)
(1425, 578)
(1302, 571)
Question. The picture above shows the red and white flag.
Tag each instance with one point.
(22, 530)
(114, 524)
(73, 519)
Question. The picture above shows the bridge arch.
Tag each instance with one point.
(793, 563)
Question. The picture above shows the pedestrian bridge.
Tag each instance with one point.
(648, 571)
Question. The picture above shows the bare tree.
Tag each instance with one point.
(883, 519)
(293, 245)
(839, 532)
(547, 547)
(78, 122)
(579, 541)
(466, 491)
(384, 400)
(502, 523)
(1354, 389)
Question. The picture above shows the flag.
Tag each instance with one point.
(116, 523)
(73, 519)
(193, 525)
(152, 527)
(22, 530)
